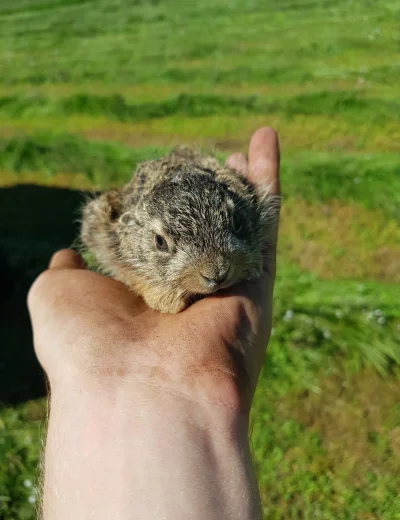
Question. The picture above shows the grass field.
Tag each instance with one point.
(89, 88)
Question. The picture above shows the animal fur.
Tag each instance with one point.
(213, 225)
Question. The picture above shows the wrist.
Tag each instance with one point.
(164, 448)
(212, 387)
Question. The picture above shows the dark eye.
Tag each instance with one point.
(238, 224)
(161, 243)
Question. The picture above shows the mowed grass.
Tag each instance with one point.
(369, 180)
(89, 89)
(345, 104)
(141, 41)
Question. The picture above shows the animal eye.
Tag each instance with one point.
(161, 243)
(238, 224)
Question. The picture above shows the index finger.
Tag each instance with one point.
(263, 172)
(255, 297)
(264, 159)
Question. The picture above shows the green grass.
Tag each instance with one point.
(348, 105)
(371, 180)
(89, 89)
(21, 433)
(330, 329)
(102, 163)
(256, 43)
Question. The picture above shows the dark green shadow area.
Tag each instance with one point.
(34, 222)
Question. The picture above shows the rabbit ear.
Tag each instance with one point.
(114, 204)
(104, 208)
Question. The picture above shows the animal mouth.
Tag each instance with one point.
(213, 286)
(212, 280)
(195, 297)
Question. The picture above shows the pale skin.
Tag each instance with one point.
(149, 412)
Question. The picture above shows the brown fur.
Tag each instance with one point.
(214, 222)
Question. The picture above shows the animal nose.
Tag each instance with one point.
(218, 279)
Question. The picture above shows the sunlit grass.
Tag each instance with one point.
(318, 133)
(151, 92)
(371, 180)
(355, 107)
(254, 43)
(87, 92)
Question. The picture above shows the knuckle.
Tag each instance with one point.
(37, 287)
(60, 256)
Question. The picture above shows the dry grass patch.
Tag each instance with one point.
(337, 240)
(300, 132)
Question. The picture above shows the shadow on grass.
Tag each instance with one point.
(34, 222)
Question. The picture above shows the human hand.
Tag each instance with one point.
(87, 323)
(149, 411)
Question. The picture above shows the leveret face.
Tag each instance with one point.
(194, 233)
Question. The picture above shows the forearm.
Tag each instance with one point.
(125, 451)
